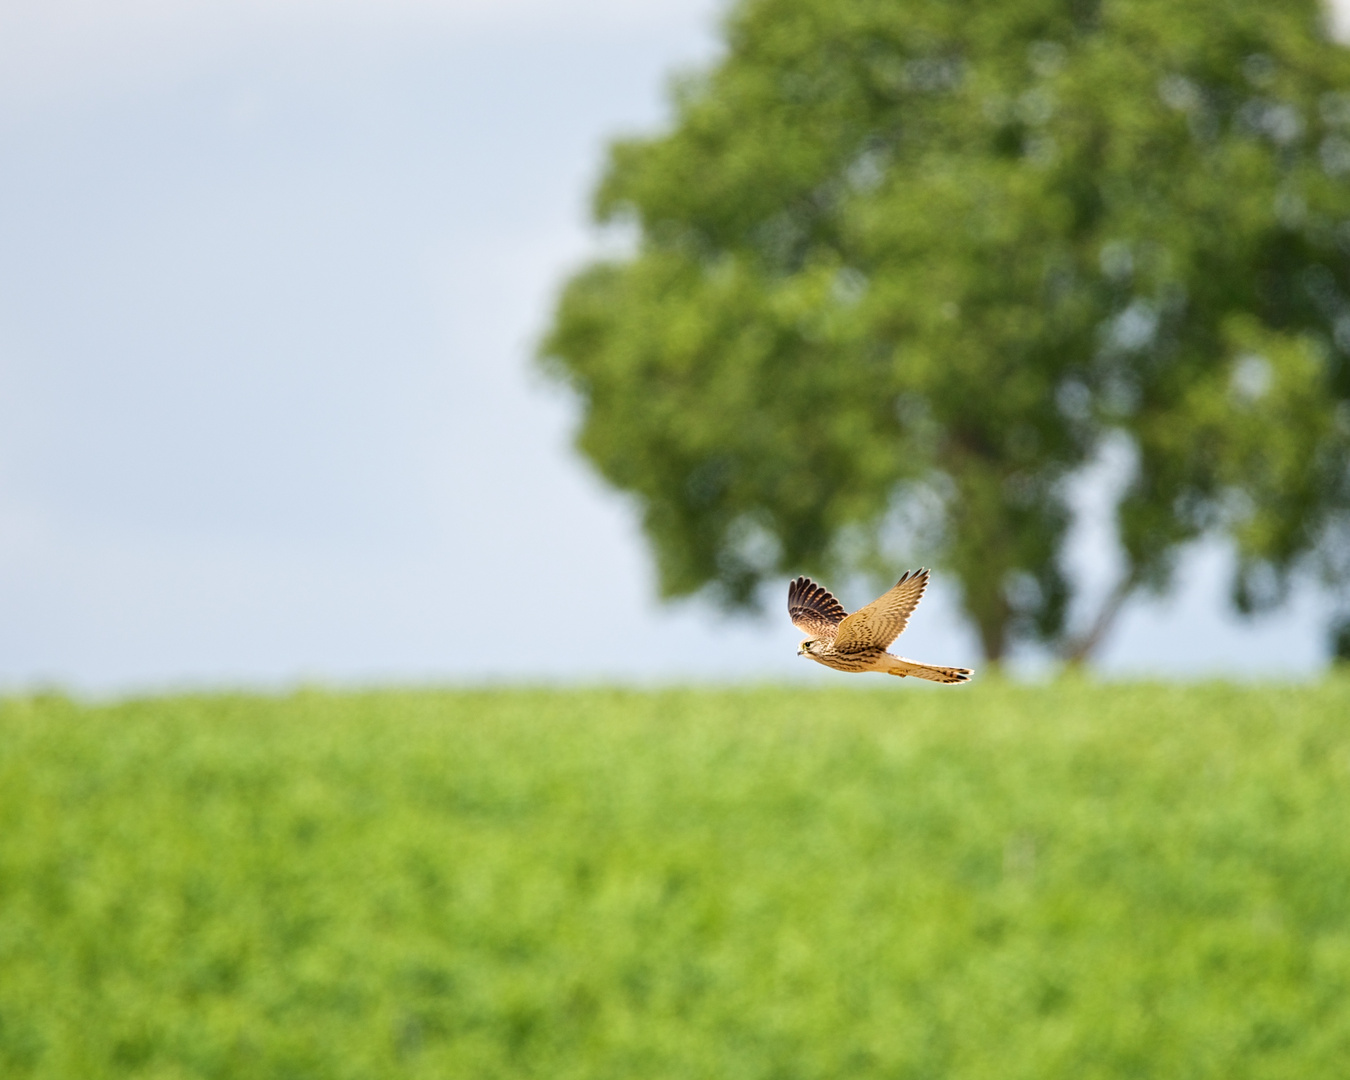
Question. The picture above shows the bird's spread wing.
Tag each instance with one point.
(881, 621)
(813, 610)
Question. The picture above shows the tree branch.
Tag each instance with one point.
(1077, 649)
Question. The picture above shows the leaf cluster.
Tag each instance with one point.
(912, 263)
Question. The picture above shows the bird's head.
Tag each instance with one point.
(804, 649)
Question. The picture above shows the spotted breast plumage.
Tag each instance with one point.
(859, 642)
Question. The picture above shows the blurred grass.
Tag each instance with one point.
(1016, 882)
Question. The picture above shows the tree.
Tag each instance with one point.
(903, 266)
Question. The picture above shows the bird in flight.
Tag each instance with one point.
(858, 642)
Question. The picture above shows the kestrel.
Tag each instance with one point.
(858, 642)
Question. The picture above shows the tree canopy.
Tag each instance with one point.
(902, 267)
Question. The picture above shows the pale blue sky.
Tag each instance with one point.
(270, 275)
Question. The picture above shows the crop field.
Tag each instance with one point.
(1074, 880)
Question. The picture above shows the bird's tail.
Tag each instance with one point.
(902, 667)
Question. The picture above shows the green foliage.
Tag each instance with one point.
(1011, 882)
(903, 266)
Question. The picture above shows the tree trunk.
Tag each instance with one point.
(993, 628)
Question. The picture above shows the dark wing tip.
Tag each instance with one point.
(805, 589)
(804, 595)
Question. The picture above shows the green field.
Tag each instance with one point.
(998, 881)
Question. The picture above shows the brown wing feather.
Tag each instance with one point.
(813, 610)
(881, 621)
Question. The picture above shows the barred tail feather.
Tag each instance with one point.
(932, 672)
